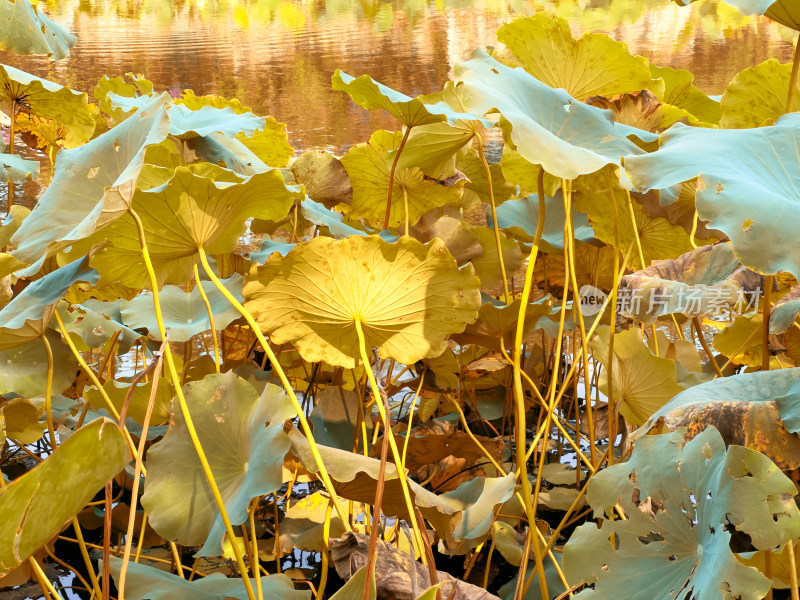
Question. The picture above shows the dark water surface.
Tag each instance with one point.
(277, 56)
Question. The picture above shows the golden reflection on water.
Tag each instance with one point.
(277, 56)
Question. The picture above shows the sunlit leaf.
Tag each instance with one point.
(676, 537)
(408, 297)
(139, 398)
(23, 369)
(15, 168)
(22, 420)
(244, 455)
(25, 30)
(36, 505)
(324, 178)
(757, 96)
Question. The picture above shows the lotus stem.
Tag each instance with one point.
(48, 394)
(612, 409)
(391, 177)
(411, 414)
(362, 344)
(190, 428)
(12, 135)
(792, 570)
(276, 367)
(694, 229)
(217, 356)
(519, 397)
(126, 555)
(765, 356)
(326, 536)
(793, 78)
(87, 561)
(495, 227)
(405, 212)
(44, 582)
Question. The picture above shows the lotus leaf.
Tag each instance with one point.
(487, 266)
(519, 219)
(217, 148)
(554, 585)
(270, 144)
(707, 280)
(11, 222)
(594, 65)
(737, 192)
(741, 341)
(22, 421)
(643, 110)
(92, 186)
(324, 178)
(369, 166)
(680, 501)
(301, 526)
(470, 164)
(150, 583)
(642, 382)
(268, 247)
(27, 315)
(140, 396)
(411, 112)
(49, 100)
(785, 12)
(244, 455)
(184, 313)
(109, 88)
(408, 297)
(36, 505)
(185, 123)
(746, 409)
(353, 589)
(24, 30)
(23, 369)
(548, 127)
(497, 322)
(456, 234)
(195, 102)
(780, 565)
(757, 96)
(679, 90)
(15, 168)
(334, 418)
(332, 221)
(203, 206)
(784, 311)
(95, 323)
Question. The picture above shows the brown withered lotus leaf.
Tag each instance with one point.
(744, 410)
(324, 177)
(706, 280)
(457, 235)
(681, 212)
(496, 321)
(643, 110)
(397, 575)
(785, 311)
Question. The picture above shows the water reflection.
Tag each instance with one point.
(277, 56)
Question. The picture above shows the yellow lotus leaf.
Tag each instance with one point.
(408, 297)
(592, 65)
(757, 96)
(487, 266)
(679, 90)
(642, 382)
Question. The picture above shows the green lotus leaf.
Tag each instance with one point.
(680, 91)
(411, 112)
(757, 96)
(487, 266)
(49, 100)
(22, 420)
(461, 517)
(707, 280)
(676, 539)
(519, 219)
(202, 206)
(753, 410)
(95, 322)
(23, 369)
(26, 317)
(408, 296)
(24, 30)
(185, 123)
(469, 163)
(554, 585)
(785, 311)
(15, 168)
(330, 220)
(353, 589)
(92, 186)
(369, 166)
(137, 406)
(497, 321)
(36, 504)
(594, 65)
(642, 382)
(737, 191)
(184, 313)
(547, 126)
(244, 455)
(138, 86)
(143, 582)
(11, 222)
(217, 148)
(324, 177)
(334, 417)
(267, 248)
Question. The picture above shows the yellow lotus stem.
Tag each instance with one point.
(362, 345)
(326, 536)
(254, 541)
(201, 455)
(87, 561)
(48, 394)
(495, 227)
(767, 311)
(43, 580)
(276, 367)
(792, 83)
(792, 570)
(217, 357)
(391, 178)
(694, 229)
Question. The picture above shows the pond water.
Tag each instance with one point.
(277, 56)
